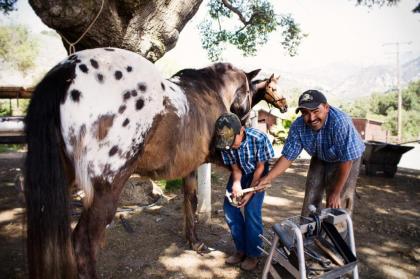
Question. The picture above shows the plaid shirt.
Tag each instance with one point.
(337, 141)
(256, 147)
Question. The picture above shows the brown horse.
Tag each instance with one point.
(96, 118)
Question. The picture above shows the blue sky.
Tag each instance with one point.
(338, 32)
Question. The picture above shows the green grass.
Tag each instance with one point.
(169, 185)
(11, 147)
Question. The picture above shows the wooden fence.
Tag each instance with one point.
(12, 127)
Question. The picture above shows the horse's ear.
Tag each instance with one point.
(271, 77)
(252, 74)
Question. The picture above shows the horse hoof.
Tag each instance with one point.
(200, 248)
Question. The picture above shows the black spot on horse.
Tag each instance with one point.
(122, 108)
(133, 93)
(118, 75)
(129, 68)
(125, 123)
(83, 68)
(109, 49)
(94, 63)
(142, 86)
(126, 95)
(172, 88)
(113, 150)
(75, 95)
(163, 86)
(77, 60)
(139, 104)
(100, 78)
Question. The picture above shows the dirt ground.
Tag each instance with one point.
(386, 222)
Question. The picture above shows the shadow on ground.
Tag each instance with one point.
(386, 222)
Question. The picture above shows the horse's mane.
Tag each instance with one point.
(209, 78)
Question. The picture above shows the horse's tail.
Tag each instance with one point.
(49, 247)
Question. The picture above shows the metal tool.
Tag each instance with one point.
(235, 201)
(292, 245)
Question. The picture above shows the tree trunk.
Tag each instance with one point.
(148, 27)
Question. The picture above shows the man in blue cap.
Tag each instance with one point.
(336, 148)
(246, 151)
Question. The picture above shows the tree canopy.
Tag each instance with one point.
(17, 47)
(385, 106)
(151, 28)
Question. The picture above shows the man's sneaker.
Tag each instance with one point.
(250, 263)
(236, 258)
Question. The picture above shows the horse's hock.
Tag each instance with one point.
(139, 191)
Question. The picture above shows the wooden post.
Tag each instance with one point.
(254, 119)
(204, 192)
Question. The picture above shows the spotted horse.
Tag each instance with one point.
(97, 117)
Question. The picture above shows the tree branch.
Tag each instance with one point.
(236, 11)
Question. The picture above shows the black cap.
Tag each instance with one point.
(311, 99)
(228, 126)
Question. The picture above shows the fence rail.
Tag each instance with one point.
(12, 130)
(15, 92)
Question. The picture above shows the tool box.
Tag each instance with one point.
(311, 247)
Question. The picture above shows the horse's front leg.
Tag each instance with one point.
(190, 212)
(90, 230)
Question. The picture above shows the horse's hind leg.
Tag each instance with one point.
(90, 230)
(190, 210)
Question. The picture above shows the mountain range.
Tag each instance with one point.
(348, 82)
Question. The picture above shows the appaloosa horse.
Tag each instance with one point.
(96, 118)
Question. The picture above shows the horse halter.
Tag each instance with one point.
(269, 96)
(245, 116)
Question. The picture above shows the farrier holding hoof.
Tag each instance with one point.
(246, 151)
(336, 148)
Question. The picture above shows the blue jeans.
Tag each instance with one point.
(245, 229)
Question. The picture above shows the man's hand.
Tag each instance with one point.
(333, 200)
(245, 199)
(262, 184)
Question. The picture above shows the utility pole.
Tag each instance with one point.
(397, 71)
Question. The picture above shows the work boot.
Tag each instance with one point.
(235, 258)
(250, 263)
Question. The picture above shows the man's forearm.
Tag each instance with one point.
(343, 173)
(236, 178)
(257, 174)
(279, 168)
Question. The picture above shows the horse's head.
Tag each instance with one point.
(235, 90)
(267, 90)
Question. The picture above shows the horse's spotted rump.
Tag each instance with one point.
(139, 104)
(111, 136)
(83, 68)
(109, 49)
(75, 95)
(118, 75)
(94, 63)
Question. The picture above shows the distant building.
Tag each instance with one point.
(371, 129)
